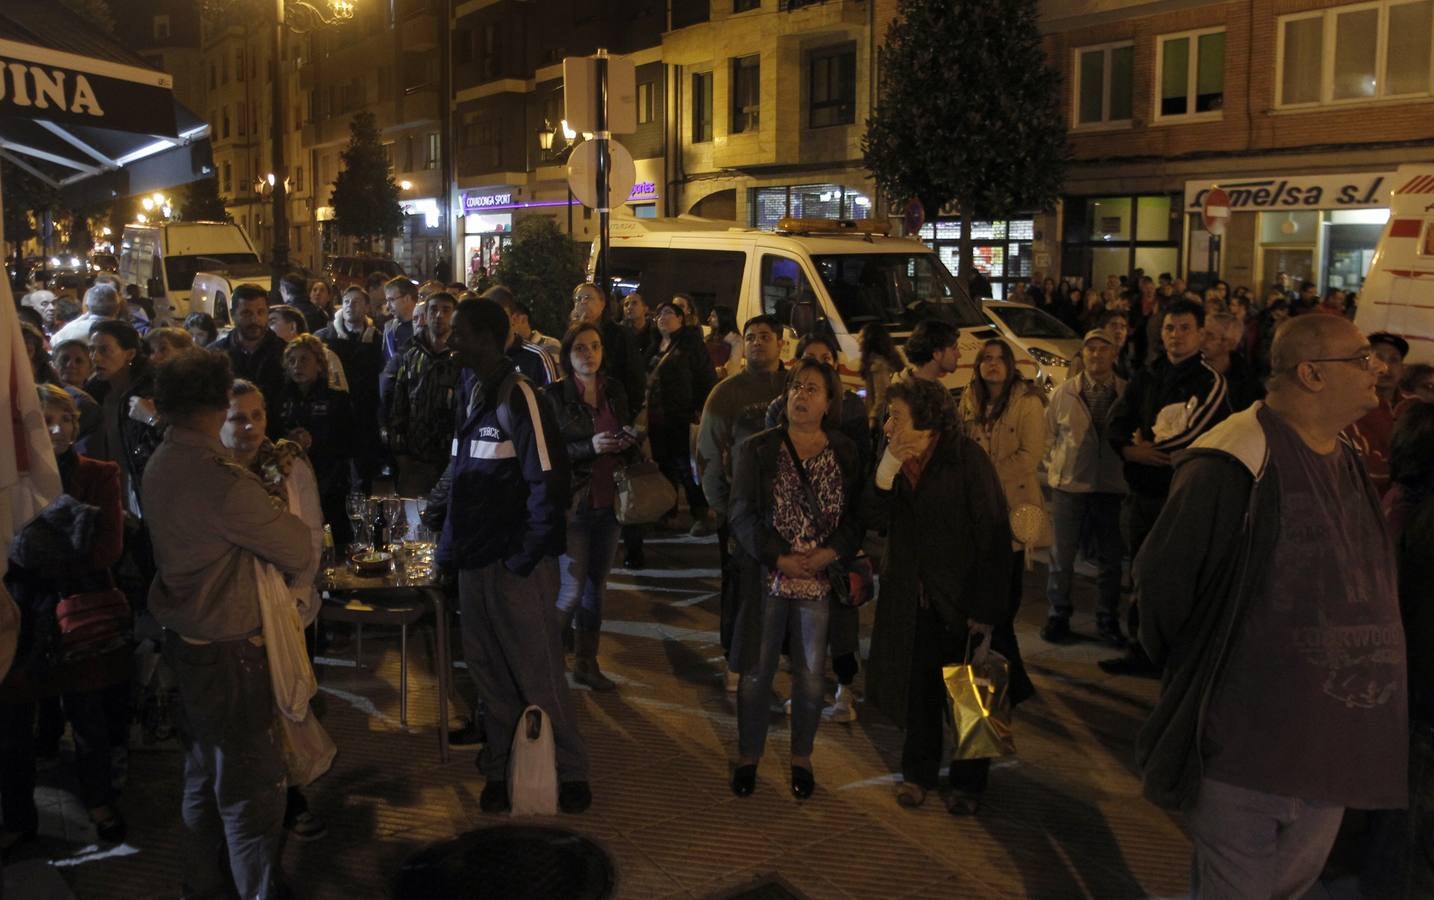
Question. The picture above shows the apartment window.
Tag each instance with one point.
(701, 107)
(298, 178)
(1190, 69)
(239, 64)
(226, 183)
(1351, 54)
(390, 154)
(831, 76)
(224, 69)
(1102, 89)
(224, 131)
(161, 28)
(746, 93)
(646, 102)
(239, 123)
(433, 151)
(745, 5)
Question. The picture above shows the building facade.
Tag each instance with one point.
(1301, 110)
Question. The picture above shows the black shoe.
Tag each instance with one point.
(574, 796)
(494, 798)
(960, 803)
(803, 782)
(744, 780)
(112, 830)
(1057, 630)
(470, 735)
(634, 559)
(1108, 627)
(1134, 663)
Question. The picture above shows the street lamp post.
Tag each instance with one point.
(298, 16)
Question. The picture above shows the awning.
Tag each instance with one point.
(75, 103)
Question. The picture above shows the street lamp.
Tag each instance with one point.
(299, 16)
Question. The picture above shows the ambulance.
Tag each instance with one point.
(1398, 293)
(822, 275)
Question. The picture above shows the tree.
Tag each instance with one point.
(365, 197)
(203, 203)
(26, 200)
(993, 142)
(96, 12)
(541, 268)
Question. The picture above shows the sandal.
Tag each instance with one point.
(910, 795)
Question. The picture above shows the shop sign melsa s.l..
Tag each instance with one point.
(1293, 192)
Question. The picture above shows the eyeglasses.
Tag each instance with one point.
(808, 388)
(1364, 359)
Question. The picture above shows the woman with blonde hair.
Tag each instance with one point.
(320, 420)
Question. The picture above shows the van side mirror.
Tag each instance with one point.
(154, 287)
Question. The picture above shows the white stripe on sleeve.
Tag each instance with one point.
(534, 413)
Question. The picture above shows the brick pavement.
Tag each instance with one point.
(1062, 819)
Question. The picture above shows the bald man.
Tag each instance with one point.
(1269, 590)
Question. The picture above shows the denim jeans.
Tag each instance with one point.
(234, 774)
(583, 569)
(87, 714)
(1252, 844)
(1074, 517)
(806, 622)
(670, 442)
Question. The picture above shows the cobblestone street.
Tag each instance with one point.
(1062, 819)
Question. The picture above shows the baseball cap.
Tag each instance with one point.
(1097, 334)
(1393, 340)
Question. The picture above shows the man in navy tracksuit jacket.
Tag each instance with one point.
(504, 532)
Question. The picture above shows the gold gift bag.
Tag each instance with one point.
(980, 707)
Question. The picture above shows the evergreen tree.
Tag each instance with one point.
(541, 268)
(365, 197)
(969, 112)
(203, 203)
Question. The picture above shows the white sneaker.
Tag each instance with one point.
(844, 709)
(787, 707)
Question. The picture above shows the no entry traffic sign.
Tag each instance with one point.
(1215, 211)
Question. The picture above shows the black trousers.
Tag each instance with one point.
(927, 709)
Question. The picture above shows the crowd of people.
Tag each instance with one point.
(1265, 470)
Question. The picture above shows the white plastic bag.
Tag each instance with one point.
(308, 749)
(532, 771)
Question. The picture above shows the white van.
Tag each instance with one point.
(1398, 292)
(212, 290)
(818, 274)
(163, 259)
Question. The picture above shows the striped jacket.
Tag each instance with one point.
(510, 480)
(1170, 404)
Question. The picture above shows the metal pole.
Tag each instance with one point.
(603, 161)
(280, 214)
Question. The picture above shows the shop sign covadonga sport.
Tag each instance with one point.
(1289, 192)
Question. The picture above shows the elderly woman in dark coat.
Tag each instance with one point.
(785, 547)
(944, 581)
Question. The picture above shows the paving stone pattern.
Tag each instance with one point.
(1062, 819)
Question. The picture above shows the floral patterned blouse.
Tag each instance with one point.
(795, 524)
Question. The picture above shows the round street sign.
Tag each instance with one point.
(582, 174)
(913, 216)
(1215, 211)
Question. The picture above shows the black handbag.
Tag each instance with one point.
(853, 581)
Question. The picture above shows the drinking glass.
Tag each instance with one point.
(356, 504)
(397, 519)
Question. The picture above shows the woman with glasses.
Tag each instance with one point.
(795, 500)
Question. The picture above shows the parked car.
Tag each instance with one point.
(213, 288)
(343, 271)
(1047, 339)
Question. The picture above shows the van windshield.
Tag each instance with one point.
(179, 270)
(896, 289)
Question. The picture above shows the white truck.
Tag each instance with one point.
(1398, 292)
(810, 274)
(163, 259)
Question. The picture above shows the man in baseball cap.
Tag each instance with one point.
(1373, 433)
(1087, 487)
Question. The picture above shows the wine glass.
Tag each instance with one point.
(356, 504)
(397, 519)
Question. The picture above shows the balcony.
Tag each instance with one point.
(420, 33)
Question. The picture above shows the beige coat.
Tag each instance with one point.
(1016, 444)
